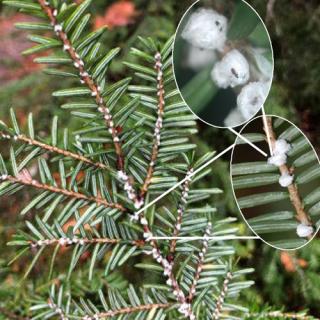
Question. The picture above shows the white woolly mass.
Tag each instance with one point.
(282, 147)
(231, 71)
(206, 29)
(251, 98)
(198, 59)
(286, 180)
(278, 160)
(234, 118)
(304, 231)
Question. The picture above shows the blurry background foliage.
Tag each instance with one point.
(286, 280)
(245, 31)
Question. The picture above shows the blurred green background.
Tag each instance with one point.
(284, 280)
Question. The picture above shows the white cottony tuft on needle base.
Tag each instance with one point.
(286, 180)
(282, 147)
(206, 29)
(304, 231)
(278, 160)
(252, 98)
(231, 71)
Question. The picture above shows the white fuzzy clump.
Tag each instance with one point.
(286, 180)
(278, 160)
(304, 231)
(251, 98)
(282, 147)
(231, 71)
(198, 59)
(206, 29)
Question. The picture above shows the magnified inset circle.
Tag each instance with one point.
(278, 195)
(223, 61)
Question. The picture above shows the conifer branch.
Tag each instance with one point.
(301, 215)
(185, 307)
(127, 311)
(86, 78)
(96, 93)
(26, 180)
(54, 149)
(158, 125)
(181, 210)
(83, 241)
(222, 296)
(200, 264)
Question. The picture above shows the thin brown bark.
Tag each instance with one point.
(63, 152)
(67, 193)
(301, 214)
(87, 79)
(84, 241)
(158, 125)
(181, 210)
(222, 296)
(129, 310)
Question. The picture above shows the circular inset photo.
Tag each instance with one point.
(278, 196)
(223, 61)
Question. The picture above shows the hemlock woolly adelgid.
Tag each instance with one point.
(251, 98)
(304, 231)
(198, 59)
(286, 180)
(278, 160)
(282, 147)
(231, 71)
(206, 29)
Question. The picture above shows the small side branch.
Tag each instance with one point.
(82, 241)
(202, 255)
(185, 307)
(158, 125)
(222, 296)
(86, 78)
(57, 150)
(301, 214)
(127, 311)
(181, 210)
(28, 181)
(96, 93)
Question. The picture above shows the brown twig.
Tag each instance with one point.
(200, 264)
(158, 125)
(301, 214)
(83, 241)
(185, 307)
(86, 78)
(54, 149)
(96, 93)
(129, 310)
(181, 210)
(222, 296)
(71, 194)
